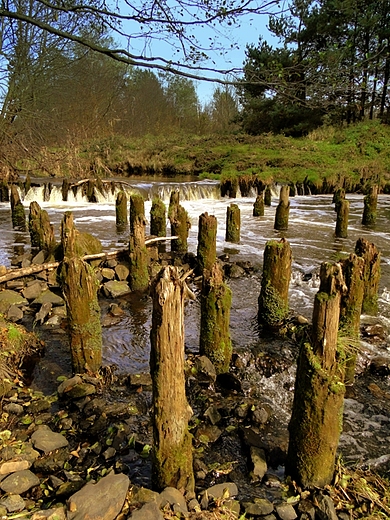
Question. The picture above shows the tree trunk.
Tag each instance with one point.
(80, 286)
(370, 207)
(180, 224)
(216, 300)
(267, 196)
(17, 209)
(316, 420)
(121, 217)
(233, 224)
(258, 206)
(172, 448)
(207, 242)
(41, 231)
(273, 299)
(342, 218)
(138, 253)
(283, 209)
(371, 274)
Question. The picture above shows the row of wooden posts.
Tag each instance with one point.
(324, 365)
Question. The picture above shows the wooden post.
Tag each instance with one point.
(180, 224)
(258, 206)
(80, 286)
(216, 300)
(229, 187)
(273, 299)
(158, 218)
(338, 195)
(121, 210)
(283, 209)
(371, 274)
(138, 253)
(317, 414)
(233, 224)
(350, 310)
(27, 183)
(65, 189)
(267, 196)
(207, 241)
(4, 191)
(370, 207)
(41, 231)
(172, 447)
(17, 209)
(342, 209)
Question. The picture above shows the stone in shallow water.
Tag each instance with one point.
(115, 289)
(19, 482)
(44, 439)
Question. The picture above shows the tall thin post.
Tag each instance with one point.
(121, 217)
(138, 253)
(233, 224)
(41, 231)
(180, 224)
(342, 209)
(283, 209)
(207, 241)
(17, 209)
(370, 207)
(258, 206)
(371, 274)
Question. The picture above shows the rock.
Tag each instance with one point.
(59, 311)
(301, 320)
(205, 370)
(115, 310)
(374, 330)
(68, 384)
(55, 513)
(38, 406)
(115, 289)
(15, 408)
(174, 498)
(19, 482)
(286, 512)
(144, 495)
(13, 503)
(234, 271)
(34, 289)
(109, 453)
(259, 507)
(307, 508)
(8, 298)
(3, 270)
(140, 379)
(43, 312)
(259, 463)
(12, 466)
(213, 415)
(44, 439)
(111, 493)
(81, 390)
(380, 365)
(207, 433)
(148, 512)
(14, 314)
(221, 490)
(48, 297)
(39, 258)
(54, 321)
(108, 274)
(122, 271)
(52, 462)
(325, 509)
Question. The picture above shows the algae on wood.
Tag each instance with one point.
(172, 447)
(138, 253)
(121, 217)
(267, 196)
(370, 207)
(258, 206)
(233, 224)
(215, 304)
(342, 209)
(158, 218)
(317, 415)
(283, 209)
(180, 224)
(207, 241)
(273, 299)
(17, 209)
(79, 286)
(371, 275)
(41, 231)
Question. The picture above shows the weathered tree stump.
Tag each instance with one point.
(283, 209)
(267, 196)
(79, 286)
(121, 217)
(65, 189)
(342, 209)
(180, 224)
(317, 414)
(89, 190)
(138, 253)
(273, 298)
(172, 447)
(229, 187)
(370, 207)
(4, 191)
(47, 189)
(41, 231)
(233, 224)
(216, 300)
(371, 274)
(258, 206)
(27, 183)
(338, 195)
(207, 241)
(350, 310)
(158, 218)
(17, 209)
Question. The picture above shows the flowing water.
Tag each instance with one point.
(311, 235)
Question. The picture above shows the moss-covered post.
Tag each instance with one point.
(121, 217)
(207, 242)
(216, 300)
(41, 231)
(258, 206)
(4, 191)
(27, 183)
(267, 196)
(273, 298)
(172, 446)
(317, 414)
(17, 209)
(65, 189)
(158, 221)
(180, 224)
(371, 275)
(350, 310)
(370, 207)
(342, 209)
(283, 209)
(233, 224)
(138, 253)
(79, 286)
(338, 195)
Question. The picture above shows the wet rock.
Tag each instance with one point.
(59, 311)
(208, 433)
(260, 415)
(14, 314)
(15, 408)
(44, 439)
(174, 498)
(143, 496)
(147, 512)
(259, 463)
(66, 489)
(111, 491)
(13, 503)
(233, 271)
(213, 415)
(374, 330)
(19, 482)
(39, 258)
(380, 366)
(34, 289)
(43, 312)
(230, 382)
(8, 298)
(325, 509)
(108, 274)
(55, 513)
(12, 466)
(38, 406)
(52, 462)
(109, 453)
(48, 297)
(301, 320)
(259, 507)
(305, 507)
(122, 271)
(75, 388)
(13, 453)
(115, 310)
(116, 289)
(205, 370)
(54, 321)
(144, 379)
(227, 489)
(286, 512)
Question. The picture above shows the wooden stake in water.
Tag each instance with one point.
(258, 206)
(370, 207)
(138, 253)
(371, 274)
(233, 224)
(17, 209)
(121, 214)
(342, 209)
(180, 224)
(41, 231)
(207, 242)
(283, 209)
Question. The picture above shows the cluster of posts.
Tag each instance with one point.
(325, 365)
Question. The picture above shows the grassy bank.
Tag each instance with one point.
(357, 152)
